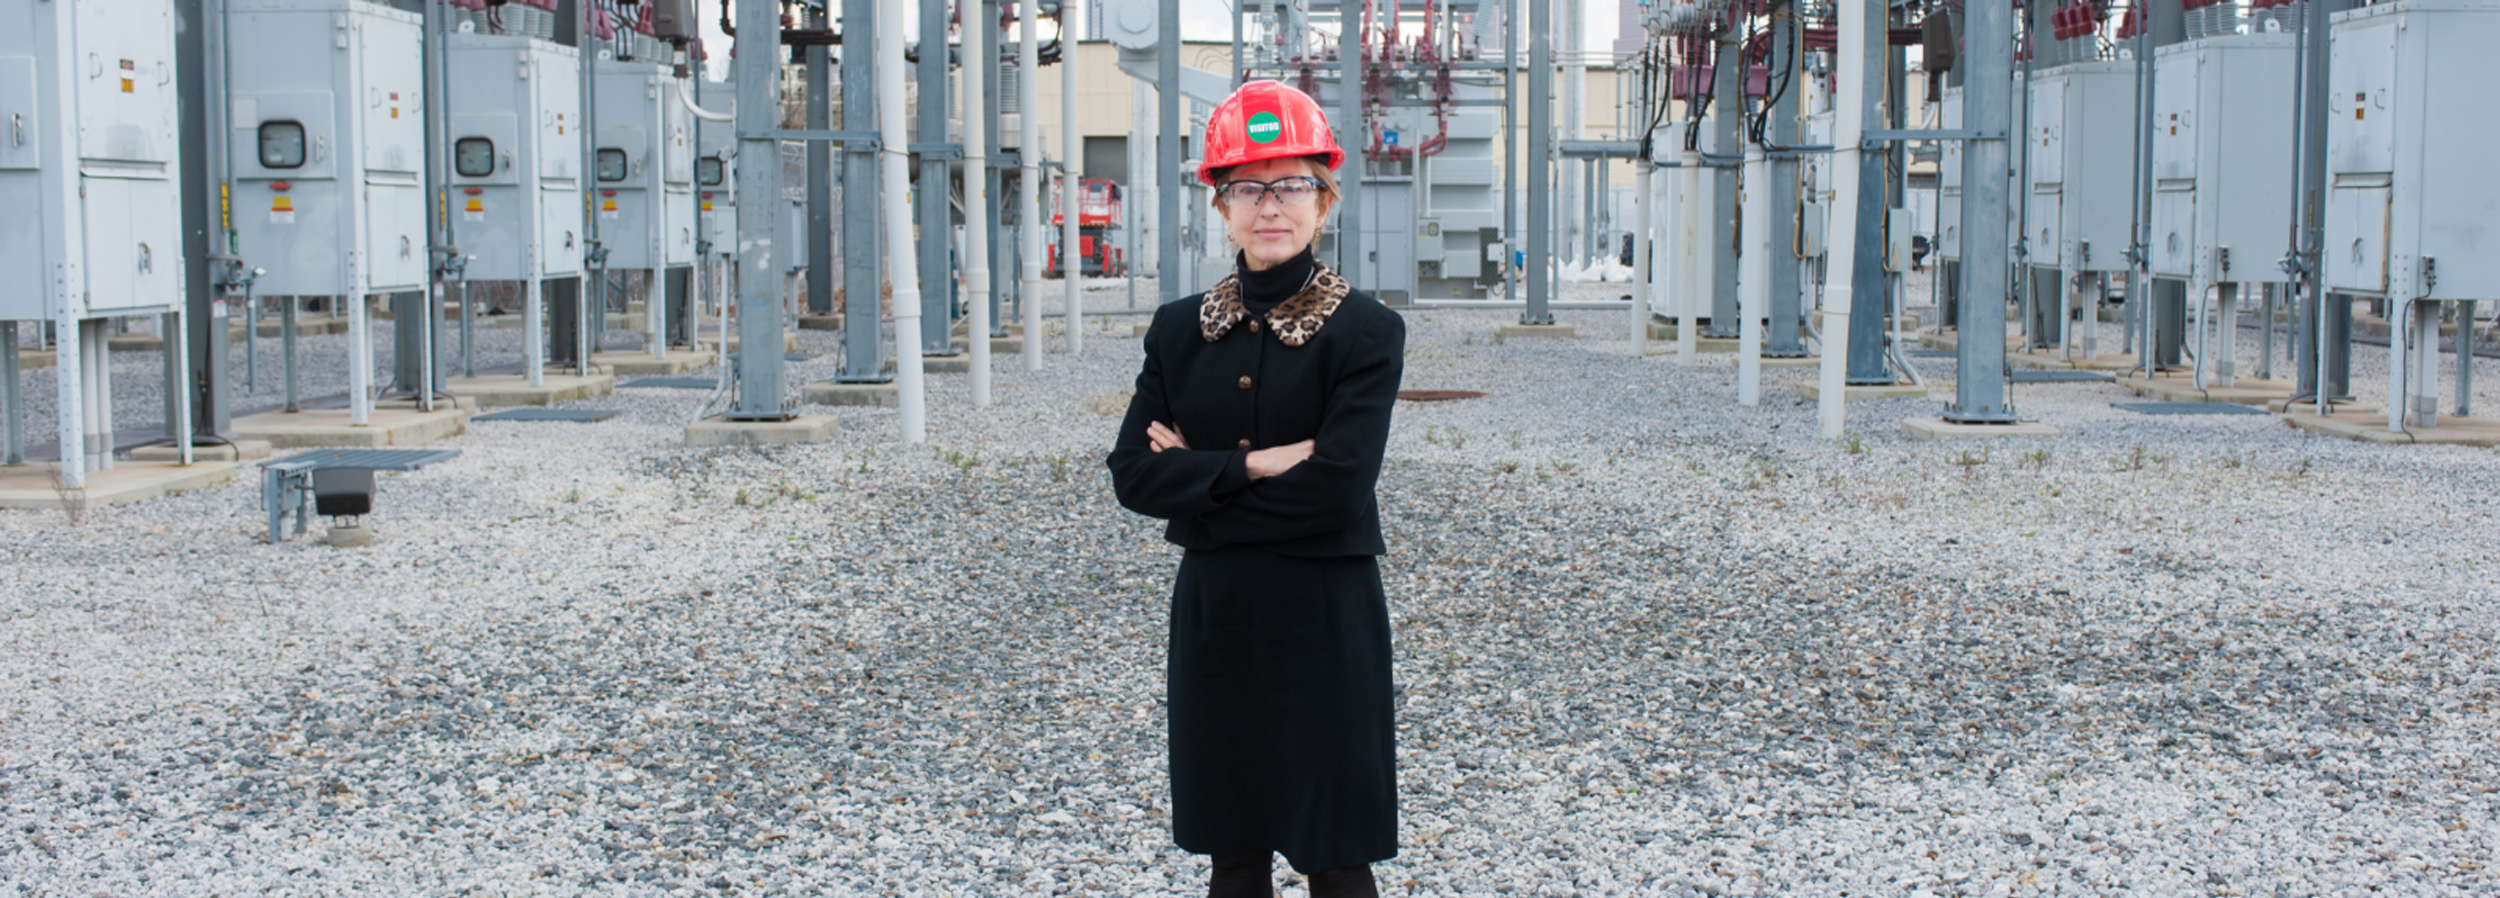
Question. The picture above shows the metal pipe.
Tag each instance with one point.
(12, 401)
(180, 340)
(893, 160)
(1167, 176)
(1351, 134)
(1859, 27)
(1029, 181)
(1510, 144)
(1540, 236)
(1980, 395)
(1688, 260)
(1642, 167)
(68, 366)
(1753, 281)
(1072, 191)
(934, 200)
(977, 27)
(697, 111)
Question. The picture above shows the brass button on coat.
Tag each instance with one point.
(1254, 326)
(1242, 444)
(1244, 382)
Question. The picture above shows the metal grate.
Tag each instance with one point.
(579, 415)
(674, 383)
(377, 459)
(2062, 377)
(2189, 408)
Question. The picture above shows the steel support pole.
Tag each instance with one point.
(1071, 186)
(977, 23)
(1167, 173)
(1727, 99)
(1861, 32)
(934, 198)
(200, 57)
(893, 188)
(759, 362)
(1784, 336)
(993, 176)
(1540, 162)
(1980, 395)
(1351, 134)
(12, 399)
(863, 242)
(820, 211)
(1510, 146)
(1865, 296)
(1029, 179)
(2325, 356)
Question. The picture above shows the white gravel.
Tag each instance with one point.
(1649, 643)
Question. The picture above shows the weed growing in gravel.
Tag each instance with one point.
(1468, 340)
(73, 501)
(1968, 461)
(1506, 467)
(2136, 459)
(1513, 437)
(1060, 465)
(1850, 443)
(2231, 460)
(742, 496)
(574, 494)
(2039, 458)
(963, 461)
(2299, 471)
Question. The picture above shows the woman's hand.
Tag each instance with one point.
(1270, 462)
(1159, 438)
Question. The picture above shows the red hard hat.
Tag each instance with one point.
(1266, 120)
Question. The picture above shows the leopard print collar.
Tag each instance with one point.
(1295, 321)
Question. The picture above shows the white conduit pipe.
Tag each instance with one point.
(1753, 275)
(1848, 124)
(1029, 184)
(359, 360)
(977, 203)
(698, 111)
(1641, 267)
(1688, 260)
(1071, 193)
(896, 196)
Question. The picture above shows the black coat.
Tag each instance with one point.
(1251, 389)
(1280, 700)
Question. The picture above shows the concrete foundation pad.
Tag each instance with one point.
(2052, 360)
(1866, 393)
(1951, 341)
(2182, 388)
(239, 450)
(493, 391)
(30, 359)
(2372, 428)
(789, 342)
(832, 393)
(679, 361)
(329, 428)
(947, 364)
(1006, 346)
(714, 432)
(1555, 331)
(31, 485)
(349, 536)
(1796, 362)
(820, 322)
(1138, 330)
(2305, 407)
(312, 325)
(1928, 429)
(136, 343)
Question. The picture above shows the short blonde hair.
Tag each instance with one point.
(1320, 172)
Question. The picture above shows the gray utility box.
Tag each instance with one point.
(2223, 138)
(2082, 122)
(716, 170)
(645, 177)
(326, 130)
(90, 181)
(2412, 198)
(515, 109)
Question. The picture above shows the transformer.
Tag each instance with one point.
(90, 191)
(2080, 166)
(2223, 140)
(646, 167)
(2411, 197)
(1949, 179)
(715, 175)
(326, 127)
(516, 147)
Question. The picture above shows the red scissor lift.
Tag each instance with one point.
(1098, 214)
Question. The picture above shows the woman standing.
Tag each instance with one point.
(1257, 432)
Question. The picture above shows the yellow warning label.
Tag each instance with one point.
(281, 204)
(125, 85)
(608, 206)
(476, 206)
(394, 112)
(707, 205)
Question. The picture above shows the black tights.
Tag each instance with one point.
(1246, 876)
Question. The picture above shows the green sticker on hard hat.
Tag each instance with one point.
(1264, 127)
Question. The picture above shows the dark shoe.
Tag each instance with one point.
(1245, 875)
(1345, 882)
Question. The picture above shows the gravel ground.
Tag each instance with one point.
(1648, 643)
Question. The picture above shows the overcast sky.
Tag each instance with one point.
(1201, 20)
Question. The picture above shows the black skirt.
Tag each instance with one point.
(1280, 708)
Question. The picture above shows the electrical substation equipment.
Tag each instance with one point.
(2222, 158)
(326, 133)
(2078, 224)
(2411, 193)
(515, 188)
(644, 186)
(90, 193)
